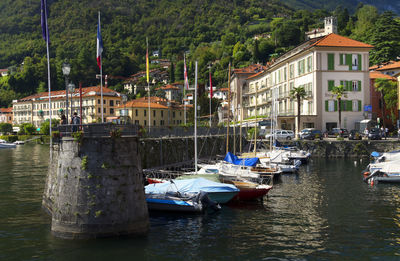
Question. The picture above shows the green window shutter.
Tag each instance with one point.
(331, 84)
(343, 83)
(349, 105)
(348, 61)
(331, 61)
(347, 86)
(343, 105)
(359, 62)
(326, 105)
(335, 105)
(341, 58)
(359, 105)
(359, 86)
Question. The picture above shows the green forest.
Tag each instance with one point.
(213, 32)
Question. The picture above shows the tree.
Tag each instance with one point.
(366, 17)
(298, 93)
(45, 127)
(27, 128)
(339, 92)
(160, 93)
(388, 90)
(5, 127)
(171, 73)
(385, 37)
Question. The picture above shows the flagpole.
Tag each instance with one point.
(195, 118)
(148, 79)
(209, 68)
(185, 85)
(101, 81)
(44, 5)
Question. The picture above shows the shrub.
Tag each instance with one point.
(5, 127)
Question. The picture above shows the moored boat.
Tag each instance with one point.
(4, 144)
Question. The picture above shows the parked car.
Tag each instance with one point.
(375, 134)
(311, 134)
(355, 135)
(282, 135)
(341, 132)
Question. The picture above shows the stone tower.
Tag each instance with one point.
(330, 25)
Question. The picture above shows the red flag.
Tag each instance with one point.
(211, 88)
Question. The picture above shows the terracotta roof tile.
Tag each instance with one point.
(6, 110)
(335, 40)
(86, 91)
(253, 68)
(376, 75)
(393, 65)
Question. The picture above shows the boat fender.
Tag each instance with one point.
(206, 201)
(366, 173)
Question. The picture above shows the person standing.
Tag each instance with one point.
(75, 121)
(63, 119)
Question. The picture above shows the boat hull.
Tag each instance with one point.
(222, 197)
(173, 205)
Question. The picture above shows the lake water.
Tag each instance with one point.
(326, 212)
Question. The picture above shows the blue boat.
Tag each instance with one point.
(217, 192)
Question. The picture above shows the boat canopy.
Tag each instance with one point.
(189, 186)
(252, 162)
(375, 154)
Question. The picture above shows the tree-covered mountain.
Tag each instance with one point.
(351, 5)
(211, 31)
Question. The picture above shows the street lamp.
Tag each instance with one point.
(71, 89)
(124, 100)
(66, 69)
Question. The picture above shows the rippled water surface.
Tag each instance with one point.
(326, 212)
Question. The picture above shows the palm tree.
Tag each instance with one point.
(339, 92)
(298, 93)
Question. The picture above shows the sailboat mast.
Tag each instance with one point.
(229, 107)
(195, 118)
(255, 128)
(241, 119)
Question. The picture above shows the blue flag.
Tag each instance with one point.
(44, 13)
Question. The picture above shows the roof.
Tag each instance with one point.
(6, 110)
(168, 87)
(376, 75)
(253, 68)
(87, 91)
(390, 66)
(255, 75)
(335, 40)
(3, 70)
(223, 89)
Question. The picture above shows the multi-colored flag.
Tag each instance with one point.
(44, 14)
(99, 44)
(186, 80)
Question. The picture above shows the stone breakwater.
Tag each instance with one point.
(94, 188)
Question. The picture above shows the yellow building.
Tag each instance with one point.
(35, 108)
(163, 113)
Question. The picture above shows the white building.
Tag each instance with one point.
(317, 65)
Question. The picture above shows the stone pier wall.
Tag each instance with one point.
(95, 188)
(346, 148)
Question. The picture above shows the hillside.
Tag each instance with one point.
(351, 5)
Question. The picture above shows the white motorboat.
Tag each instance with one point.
(4, 144)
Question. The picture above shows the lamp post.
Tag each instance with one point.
(71, 88)
(124, 100)
(66, 69)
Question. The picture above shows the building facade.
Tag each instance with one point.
(317, 65)
(162, 112)
(6, 115)
(35, 109)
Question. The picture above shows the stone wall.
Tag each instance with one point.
(346, 148)
(95, 188)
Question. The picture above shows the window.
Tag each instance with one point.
(154, 123)
(137, 122)
(309, 64)
(356, 105)
(291, 71)
(173, 114)
(104, 101)
(104, 109)
(342, 59)
(354, 86)
(111, 102)
(144, 113)
(111, 111)
(331, 61)
(136, 113)
(284, 74)
(331, 105)
(154, 113)
(98, 110)
(145, 123)
(300, 67)
(98, 101)
(162, 114)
